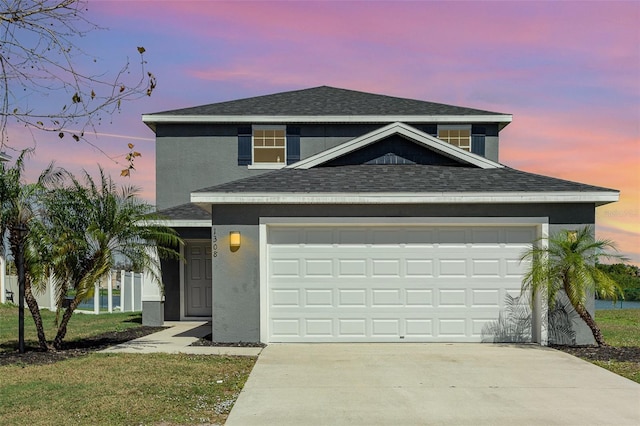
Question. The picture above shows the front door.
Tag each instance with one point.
(198, 279)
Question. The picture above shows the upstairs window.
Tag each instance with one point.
(459, 136)
(269, 145)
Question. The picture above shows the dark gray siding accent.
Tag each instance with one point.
(477, 144)
(478, 134)
(244, 146)
(559, 214)
(392, 150)
(171, 282)
(430, 129)
(390, 158)
(293, 144)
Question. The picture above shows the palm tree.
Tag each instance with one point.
(88, 227)
(568, 264)
(19, 208)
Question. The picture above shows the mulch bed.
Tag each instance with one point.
(33, 356)
(91, 344)
(603, 353)
(207, 341)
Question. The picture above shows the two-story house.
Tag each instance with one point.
(331, 215)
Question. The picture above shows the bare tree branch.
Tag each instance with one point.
(44, 83)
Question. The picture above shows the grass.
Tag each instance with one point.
(80, 326)
(123, 389)
(620, 327)
(116, 389)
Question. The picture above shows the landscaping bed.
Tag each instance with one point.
(603, 353)
(208, 341)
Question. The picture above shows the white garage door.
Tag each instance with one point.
(390, 284)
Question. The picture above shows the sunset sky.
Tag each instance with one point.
(569, 72)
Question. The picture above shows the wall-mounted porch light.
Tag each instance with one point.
(234, 240)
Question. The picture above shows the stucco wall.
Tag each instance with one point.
(236, 288)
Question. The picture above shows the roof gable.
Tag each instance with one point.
(442, 152)
(394, 149)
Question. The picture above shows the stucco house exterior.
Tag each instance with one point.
(332, 215)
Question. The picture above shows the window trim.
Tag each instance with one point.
(258, 165)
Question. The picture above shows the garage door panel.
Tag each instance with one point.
(355, 327)
(285, 297)
(419, 297)
(352, 298)
(352, 268)
(385, 268)
(318, 298)
(391, 284)
(486, 298)
(452, 327)
(452, 298)
(386, 297)
(285, 327)
(319, 267)
(285, 267)
(452, 268)
(418, 328)
(422, 268)
(321, 327)
(485, 267)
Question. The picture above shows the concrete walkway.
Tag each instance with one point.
(177, 338)
(431, 384)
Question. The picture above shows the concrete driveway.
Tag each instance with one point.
(431, 384)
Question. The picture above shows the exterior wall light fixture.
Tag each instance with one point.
(234, 240)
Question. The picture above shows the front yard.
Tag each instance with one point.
(82, 387)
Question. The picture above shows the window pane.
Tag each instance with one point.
(268, 155)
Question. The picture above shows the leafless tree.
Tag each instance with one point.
(46, 82)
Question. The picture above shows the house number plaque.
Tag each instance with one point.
(214, 242)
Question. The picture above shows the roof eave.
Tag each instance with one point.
(180, 223)
(152, 119)
(599, 198)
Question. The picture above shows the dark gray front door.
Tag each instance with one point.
(198, 280)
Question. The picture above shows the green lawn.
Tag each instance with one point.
(80, 326)
(140, 389)
(123, 389)
(620, 327)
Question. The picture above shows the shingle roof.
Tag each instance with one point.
(401, 179)
(187, 211)
(325, 101)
